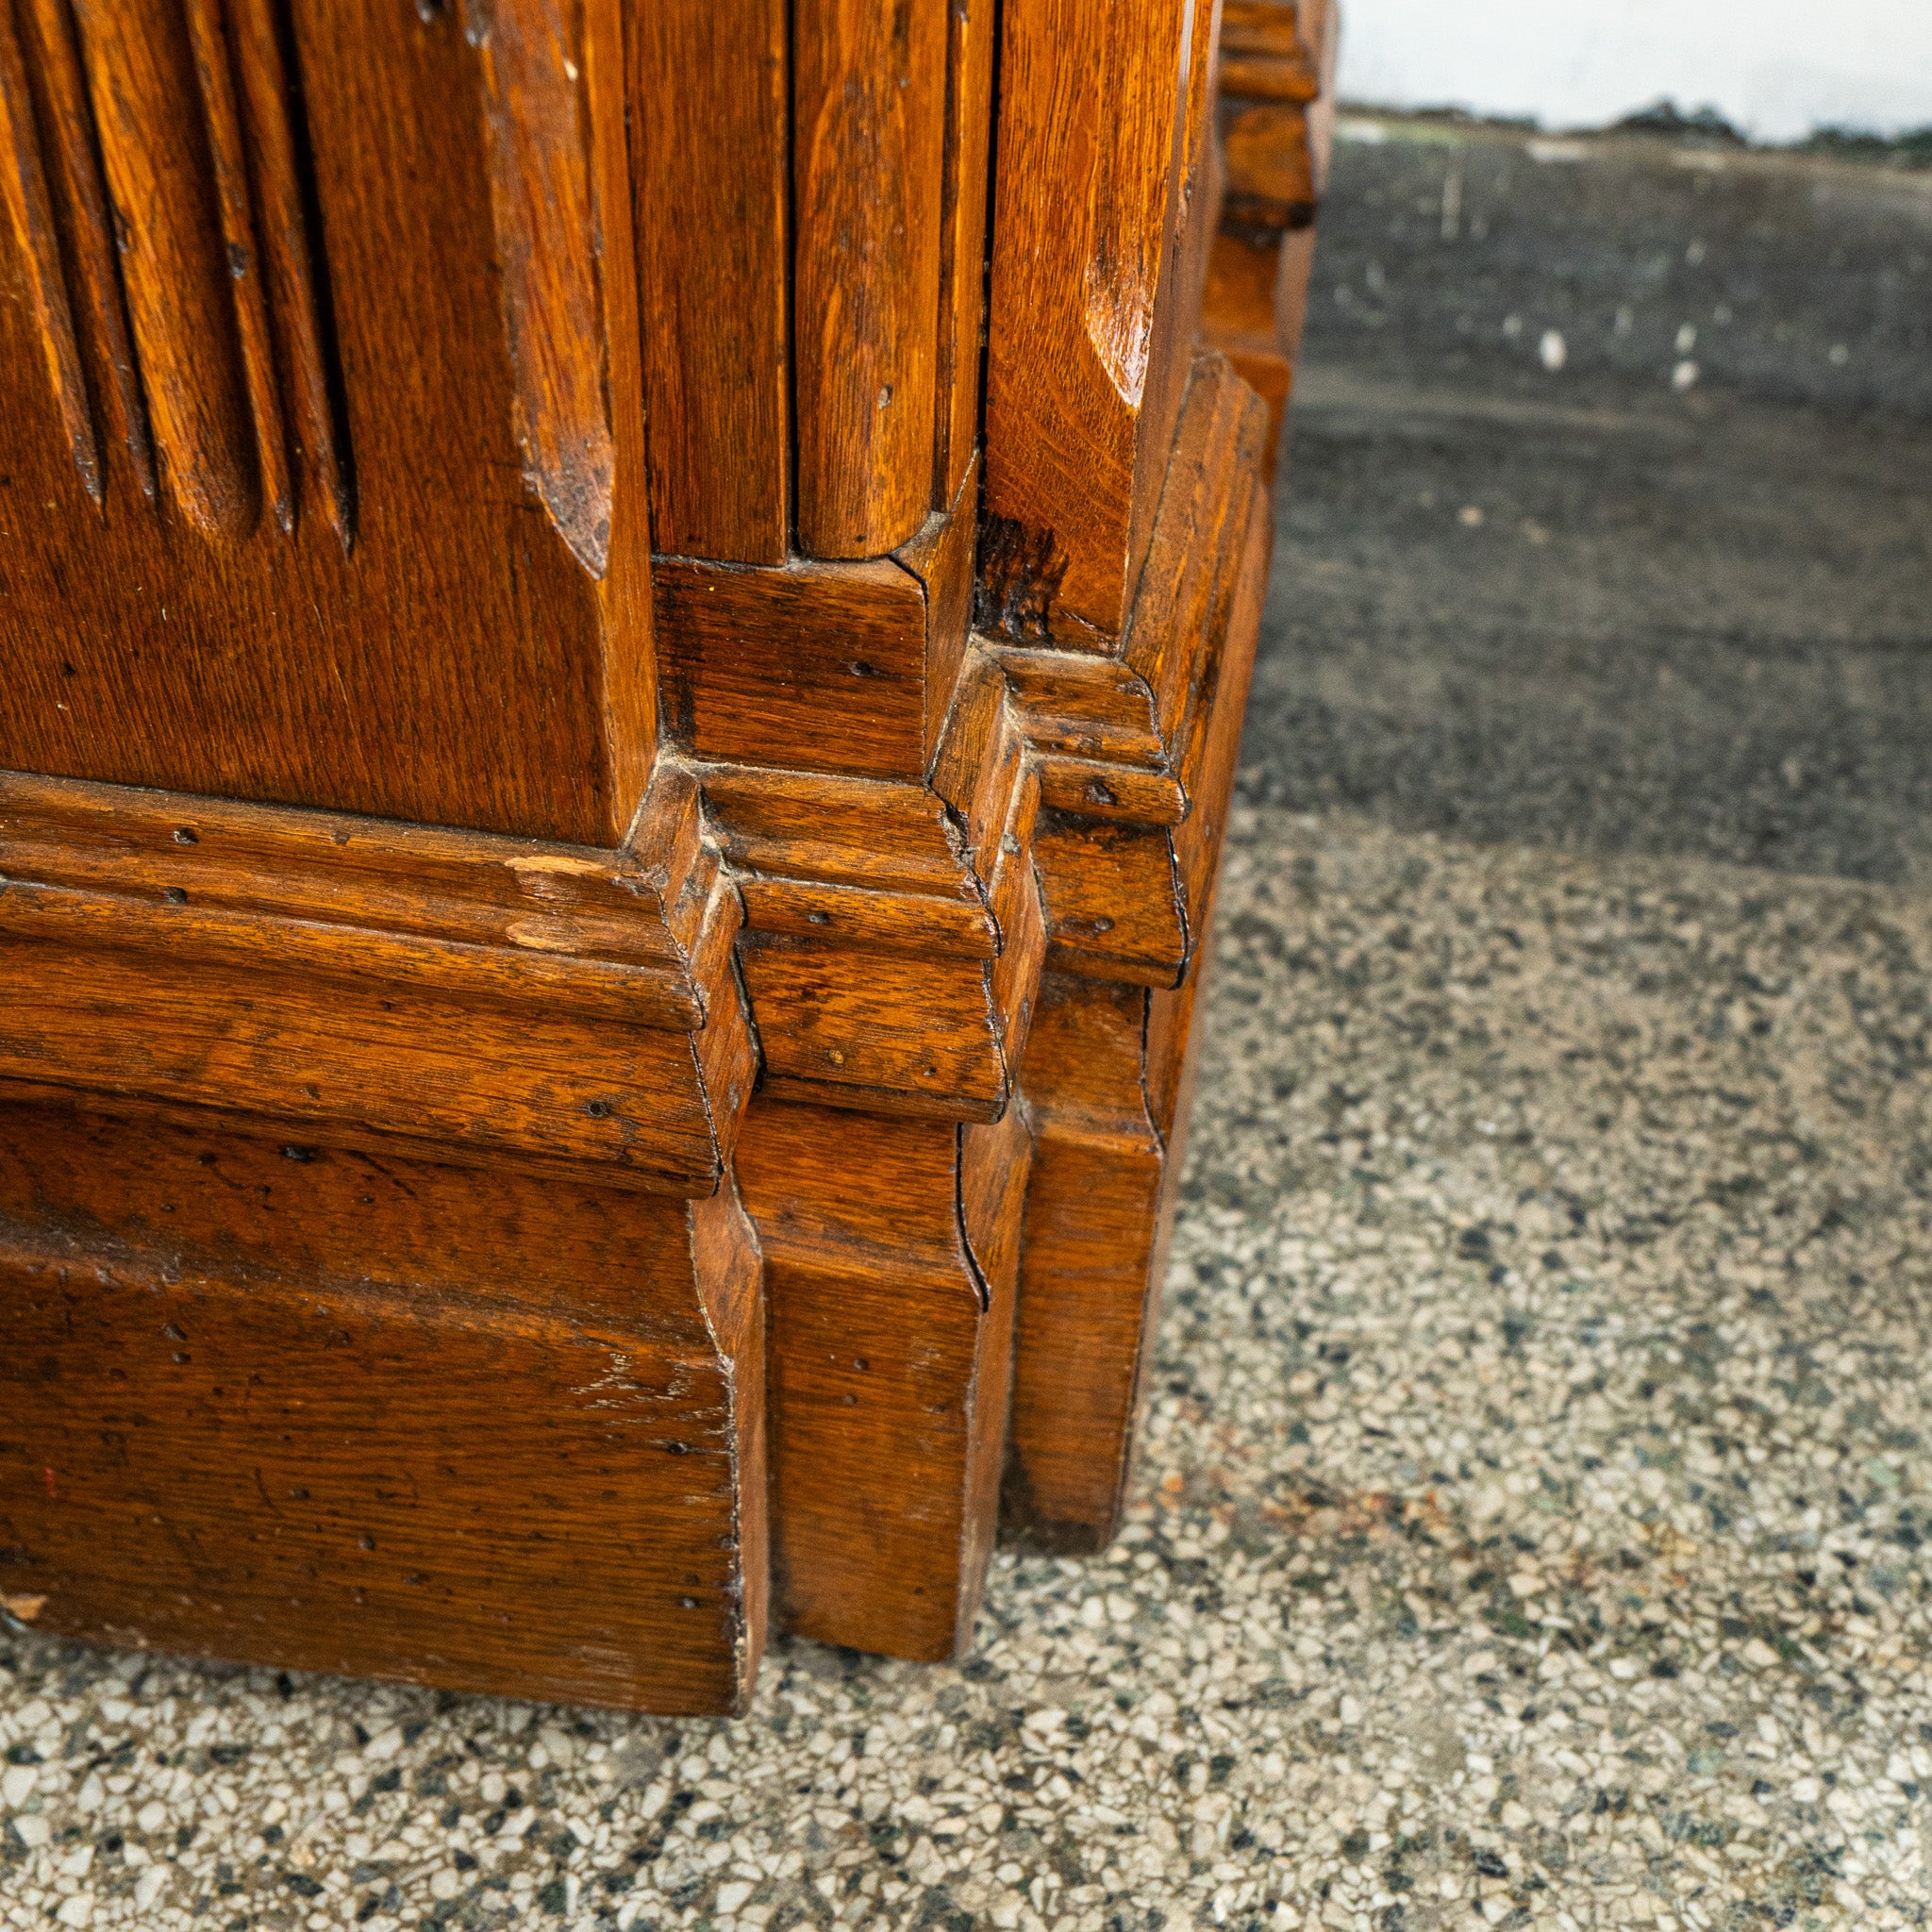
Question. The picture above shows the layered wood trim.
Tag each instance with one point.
(1179, 623)
(357, 983)
(1124, 901)
(891, 1250)
(1276, 123)
(1105, 1079)
(893, 932)
(321, 1409)
(1271, 174)
(844, 668)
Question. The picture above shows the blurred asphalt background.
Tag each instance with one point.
(1689, 620)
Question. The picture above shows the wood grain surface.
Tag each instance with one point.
(868, 100)
(891, 1250)
(1092, 1202)
(1106, 1082)
(342, 1413)
(43, 73)
(354, 983)
(710, 92)
(971, 30)
(460, 662)
(623, 649)
(1084, 366)
(820, 666)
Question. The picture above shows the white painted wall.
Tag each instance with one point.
(1774, 68)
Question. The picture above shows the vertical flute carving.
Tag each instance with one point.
(140, 78)
(80, 203)
(269, 113)
(540, 194)
(224, 124)
(151, 171)
(24, 188)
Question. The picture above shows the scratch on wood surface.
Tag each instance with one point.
(556, 861)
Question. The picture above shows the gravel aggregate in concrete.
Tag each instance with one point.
(1532, 1528)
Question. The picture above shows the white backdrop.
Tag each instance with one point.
(1774, 68)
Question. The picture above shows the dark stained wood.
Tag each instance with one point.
(711, 101)
(890, 1249)
(1240, 315)
(869, 95)
(834, 667)
(341, 1413)
(1271, 29)
(1120, 747)
(893, 933)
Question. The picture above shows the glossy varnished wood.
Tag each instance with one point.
(473, 392)
(1106, 1082)
(1090, 326)
(339, 316)
(709, 87)
(351, 982)
(869, 96)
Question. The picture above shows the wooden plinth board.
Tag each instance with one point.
(311, 1407)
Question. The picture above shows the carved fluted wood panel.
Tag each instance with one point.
(318, 306)
(619, 1140)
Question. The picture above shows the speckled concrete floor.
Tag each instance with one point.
(1535, 1526)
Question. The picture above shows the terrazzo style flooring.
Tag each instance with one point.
(1535, 1526)
(1535, 1522)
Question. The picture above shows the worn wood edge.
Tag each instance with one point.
(280, 905)
(507, 918)
(727, 1268)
